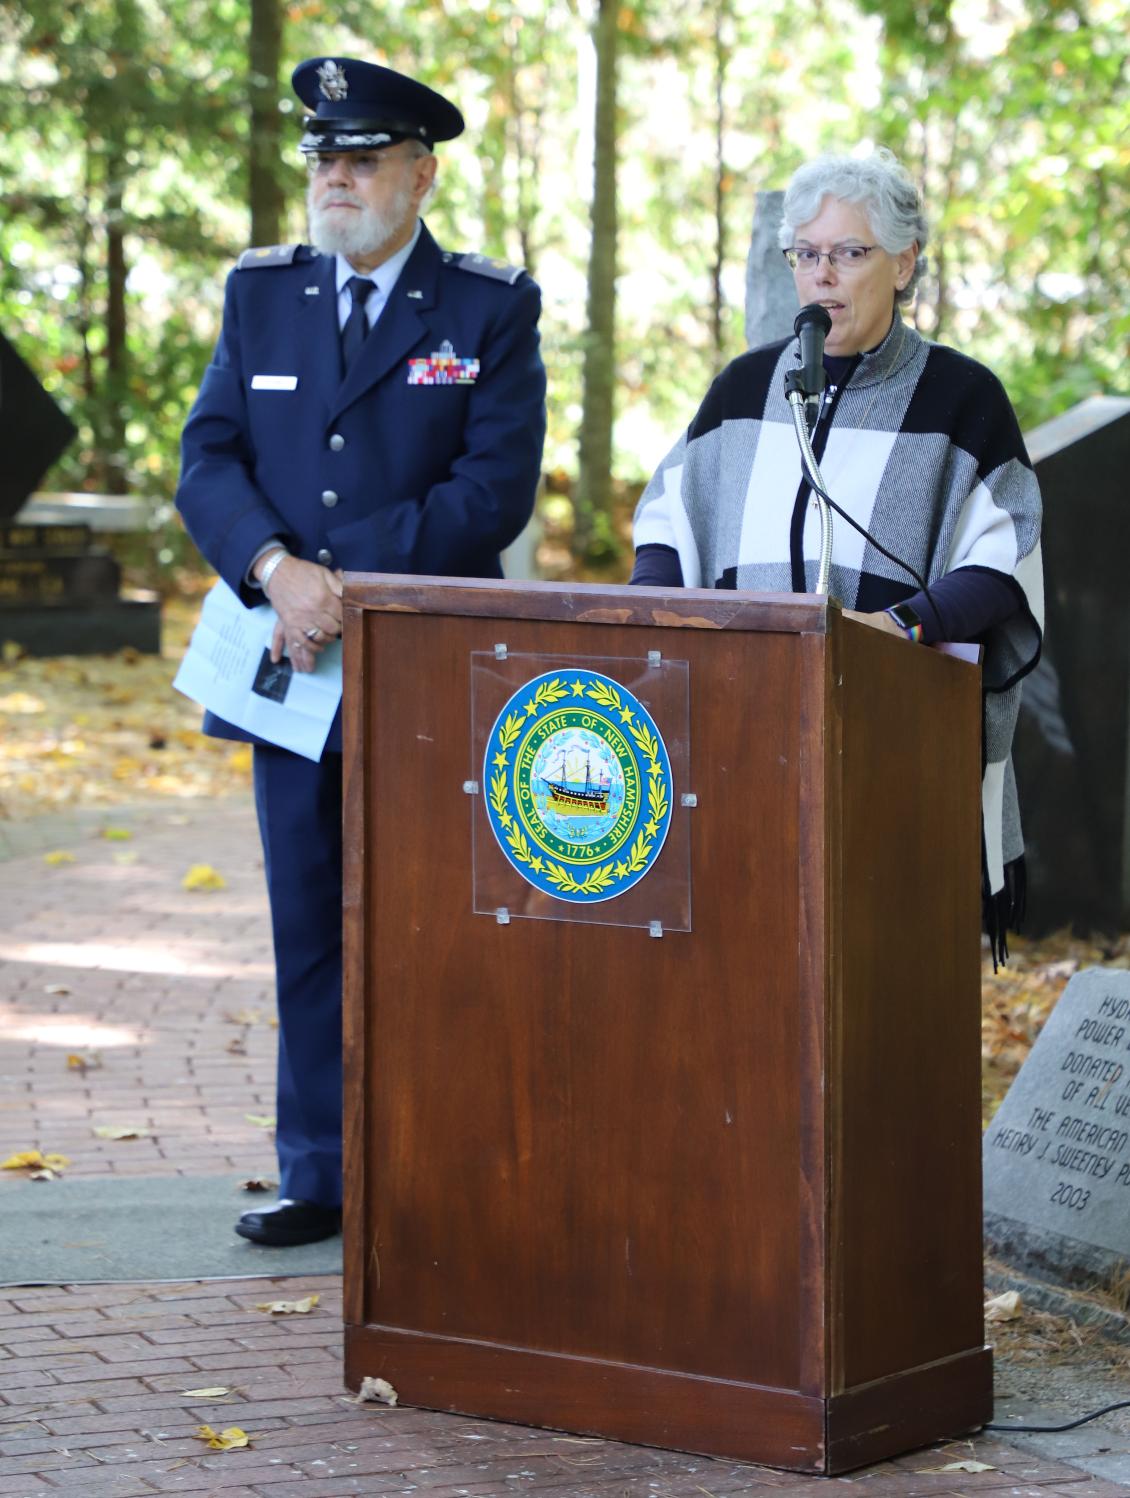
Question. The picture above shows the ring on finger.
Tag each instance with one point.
(313, 632)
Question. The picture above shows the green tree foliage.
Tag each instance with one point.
(1017, 126)
(143, 139)
(126, 126)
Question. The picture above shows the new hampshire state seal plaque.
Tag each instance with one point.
(579, 788)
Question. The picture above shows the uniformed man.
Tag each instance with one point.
(374, 403)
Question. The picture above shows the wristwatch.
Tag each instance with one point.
(908, 619)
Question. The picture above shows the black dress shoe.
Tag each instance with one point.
(288, 1222)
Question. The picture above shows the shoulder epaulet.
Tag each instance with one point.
(483, 265)
(274, 254)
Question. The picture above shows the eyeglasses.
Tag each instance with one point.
(357, 163)
(843, 257)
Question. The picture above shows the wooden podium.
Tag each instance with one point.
(717, 1191)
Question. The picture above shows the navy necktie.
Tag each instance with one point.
(356, 328)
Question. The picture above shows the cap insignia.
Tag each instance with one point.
(332, 81)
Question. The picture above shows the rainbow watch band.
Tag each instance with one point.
(911, 626)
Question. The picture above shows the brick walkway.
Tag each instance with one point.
(108, 957)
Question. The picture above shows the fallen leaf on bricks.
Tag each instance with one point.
(243, 1017)
(46, 1174)
(241, 758)
(83, 1064)
(258, 1183)
(206, 1393)
(121, 1131)
(56, 988)
(966, 1466)
(376, 1391)
(202, 876)
(236, 1047)
(125, 859)
(1006, 1307)
(224, 1440)
(60, 855)
(289, 1307)
(117, 834)
(21, 702)
(260, 1120)
(35, 1160)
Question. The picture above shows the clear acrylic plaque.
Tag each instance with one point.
(660, 899)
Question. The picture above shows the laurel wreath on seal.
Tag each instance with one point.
(603, 876)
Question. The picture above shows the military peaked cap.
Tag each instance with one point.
(357, 106)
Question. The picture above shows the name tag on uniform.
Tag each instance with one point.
(274, 382)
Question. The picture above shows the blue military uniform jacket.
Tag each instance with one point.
(388, 470)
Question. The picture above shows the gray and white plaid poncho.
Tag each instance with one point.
(922, 448)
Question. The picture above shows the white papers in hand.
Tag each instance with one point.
(228, 670)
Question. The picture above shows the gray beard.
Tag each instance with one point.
(368, 231)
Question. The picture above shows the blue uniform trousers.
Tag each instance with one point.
(299, 806)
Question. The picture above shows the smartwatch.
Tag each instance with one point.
(908, 619)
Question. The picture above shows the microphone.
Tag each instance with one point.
(812, 326)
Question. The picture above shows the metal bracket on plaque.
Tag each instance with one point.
(502, 916)
(470, 787)
(500, 651)
(688, 798)
(655, 928)
(654, 658)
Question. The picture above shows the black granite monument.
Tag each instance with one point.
(1072, 749)
(59, 591)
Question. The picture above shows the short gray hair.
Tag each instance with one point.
(880, 185)
(417, 150)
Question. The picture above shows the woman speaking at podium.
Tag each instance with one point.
(916, 443)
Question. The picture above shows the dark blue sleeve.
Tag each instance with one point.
(224, 510)
(657, 567)
(966, 603)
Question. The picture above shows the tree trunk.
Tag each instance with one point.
(265, 193)
(592, 537)
(718, 305)
(117, 352)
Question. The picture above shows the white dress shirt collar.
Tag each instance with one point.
(384, 278)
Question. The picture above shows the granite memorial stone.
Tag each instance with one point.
(34, 432)
(59, 591)
(1072, 747)
(1057, 1154)
(771, 301)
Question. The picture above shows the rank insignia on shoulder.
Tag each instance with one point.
(274, 254)
(444, 367)
(497, 270)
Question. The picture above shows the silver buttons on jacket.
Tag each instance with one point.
(337, 442)
(329, 498)
(325, 557)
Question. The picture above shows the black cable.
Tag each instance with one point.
(890, 556)
(1051, 1430)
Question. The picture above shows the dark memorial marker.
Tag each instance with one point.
(1072, 749)
(59, 592)
(1057, 1154)
(34, 433)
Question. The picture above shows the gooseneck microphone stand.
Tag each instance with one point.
(804, 389)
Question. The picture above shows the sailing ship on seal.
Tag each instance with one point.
(572, 798)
